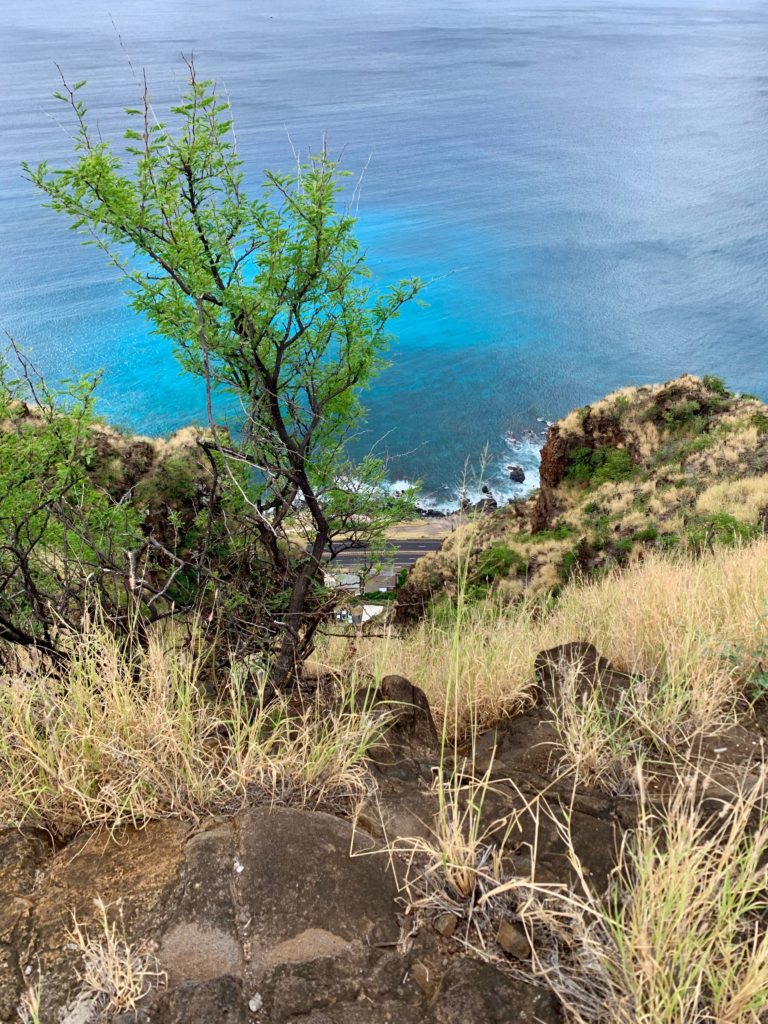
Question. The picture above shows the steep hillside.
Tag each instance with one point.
(676, 465)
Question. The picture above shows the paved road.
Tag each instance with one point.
(404, 554)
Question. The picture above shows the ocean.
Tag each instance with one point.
(583, 183)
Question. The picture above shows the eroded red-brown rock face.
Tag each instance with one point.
(596, 430)
(554, 463)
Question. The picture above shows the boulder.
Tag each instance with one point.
(219, 1001)
(221, 911)
(134, 872)
(488, 504)
(581, 667)
(301, 896)
(430, 513)
(21, 857)
(517, 474)
(413, 727)
(476, 991)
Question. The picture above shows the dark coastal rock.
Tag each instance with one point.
(475, 991)
(412, 734)
(488, 504)
(21, 857)
(264, 918)
(517, 474)
(221, 908)
(220, 1001)
(430, 513)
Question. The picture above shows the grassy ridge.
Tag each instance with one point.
(678, 466)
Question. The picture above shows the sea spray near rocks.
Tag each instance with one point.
(475, 484)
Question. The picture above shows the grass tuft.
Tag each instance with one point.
(681, 936)
(115, 975)
(123, 739)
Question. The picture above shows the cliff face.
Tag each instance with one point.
(677, 465)
(158, 475)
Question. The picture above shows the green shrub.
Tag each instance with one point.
(760, 421)
(697, 444)
(715, 384)
(682, 414)
(599, 465)
(667, 541)
(621, 405)
(570, 559)
(647, 533)
(752, 662)
(497, 561)
(721, 528)
(175, 483)
(562, 531)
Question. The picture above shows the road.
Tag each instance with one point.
(404, 554)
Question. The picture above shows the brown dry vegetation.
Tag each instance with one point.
(694, 624)
(117, 738)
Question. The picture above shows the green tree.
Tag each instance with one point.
(63, 540)
(267, 299)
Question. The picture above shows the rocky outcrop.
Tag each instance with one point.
(682, 464)
(277, 915)
(581, 669)
(158, 475)
(554, 465)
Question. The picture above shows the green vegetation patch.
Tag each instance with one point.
(646, 534)
(597, 466)
(497, 562)
(721, 528)
(568, 564)
(716, 385)
(561, 531)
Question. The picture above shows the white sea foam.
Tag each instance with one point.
(524, 451)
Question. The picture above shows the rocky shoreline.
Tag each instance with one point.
(487, 503)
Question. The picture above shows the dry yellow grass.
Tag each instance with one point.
(116, 975)
(745, 499)
(680, 938)
(670, 616)
(116, 739)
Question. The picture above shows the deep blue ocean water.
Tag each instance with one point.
(584, 181)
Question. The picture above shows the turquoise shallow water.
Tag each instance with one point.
(584, 181)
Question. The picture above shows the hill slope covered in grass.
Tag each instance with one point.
(681, 465)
